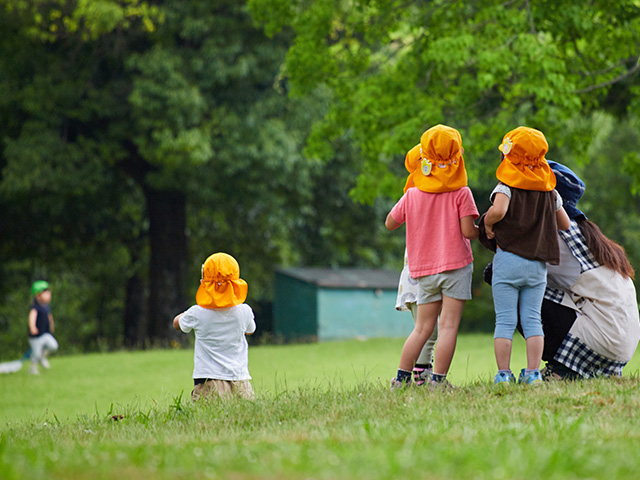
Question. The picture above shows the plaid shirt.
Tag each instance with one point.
(578, 246)
(574, 354)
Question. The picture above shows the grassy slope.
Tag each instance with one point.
(82, 385)
(323, 411)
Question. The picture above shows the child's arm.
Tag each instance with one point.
(390, 223)
(176, 322)
(469, 229)
(562, 219)
(250, 328)
(496, 212)
(33, 315)
(51, 325)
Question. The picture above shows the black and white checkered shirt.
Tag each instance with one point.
(578, 246)
(577, 356)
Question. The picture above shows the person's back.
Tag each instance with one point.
(220, 321)
(525, 228)
(605, 332)
(435, 242)
(221, 349)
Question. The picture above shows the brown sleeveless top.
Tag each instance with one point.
(529, 228)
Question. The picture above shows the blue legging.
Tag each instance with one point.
(518, 286)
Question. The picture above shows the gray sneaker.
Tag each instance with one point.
(444, 385)
(421, 375)
(398, 385)
(555, 373)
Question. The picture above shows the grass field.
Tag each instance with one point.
(322, 411)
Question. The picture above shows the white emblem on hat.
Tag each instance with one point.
(507, 146)
(425, 167)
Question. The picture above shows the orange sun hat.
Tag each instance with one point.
(524, 165)
(221, 285)
(436, 165)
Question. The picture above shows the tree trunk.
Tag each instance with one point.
(166, 212)
(135, 324)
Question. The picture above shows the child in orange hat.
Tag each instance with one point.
(523, 221)
(220, 321)
(439, 214)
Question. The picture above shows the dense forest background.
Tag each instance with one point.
(138, 137)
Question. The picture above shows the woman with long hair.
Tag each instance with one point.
(590, 311)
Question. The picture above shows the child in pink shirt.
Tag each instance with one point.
(439, 211)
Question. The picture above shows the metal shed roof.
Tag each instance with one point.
(345, 277)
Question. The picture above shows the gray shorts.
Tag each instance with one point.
(452, 283)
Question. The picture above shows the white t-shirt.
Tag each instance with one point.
(565, 274)
(506, 189)
(407, 287)
(221, 351)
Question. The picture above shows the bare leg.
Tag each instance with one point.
(448, 333)
(502, 348)
(535, 346)
(425, 323)
(426, 355)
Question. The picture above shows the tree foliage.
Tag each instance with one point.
(139, 138)
(396, 67)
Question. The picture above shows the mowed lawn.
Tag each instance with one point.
(98, 383)
(322, 411)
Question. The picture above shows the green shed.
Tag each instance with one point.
(329, 304)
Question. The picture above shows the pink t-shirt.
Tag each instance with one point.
(435, 242)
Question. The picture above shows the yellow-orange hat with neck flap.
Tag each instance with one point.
(436, 164)
(221, 285)
(524, 165)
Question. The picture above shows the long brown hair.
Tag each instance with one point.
(606, 252)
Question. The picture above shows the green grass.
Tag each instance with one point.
(322, 411)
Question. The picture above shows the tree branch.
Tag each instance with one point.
(608, 83)
(531, 24)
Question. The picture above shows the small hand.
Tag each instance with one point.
(489, 231)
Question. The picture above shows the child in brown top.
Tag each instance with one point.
(524, 219)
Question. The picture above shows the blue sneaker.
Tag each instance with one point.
(504, 378)
(532, 378)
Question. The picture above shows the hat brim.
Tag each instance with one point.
(574, 213)
(540, 179)
(440, 180)
(226, 295)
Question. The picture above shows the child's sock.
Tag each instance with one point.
(438, 378)
(507, 371)
(403, 376)
(527, 371)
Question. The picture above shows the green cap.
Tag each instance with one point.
(39, 287)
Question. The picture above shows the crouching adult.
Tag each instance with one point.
(590, 312)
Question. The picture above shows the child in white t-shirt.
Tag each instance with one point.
(220, 321)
